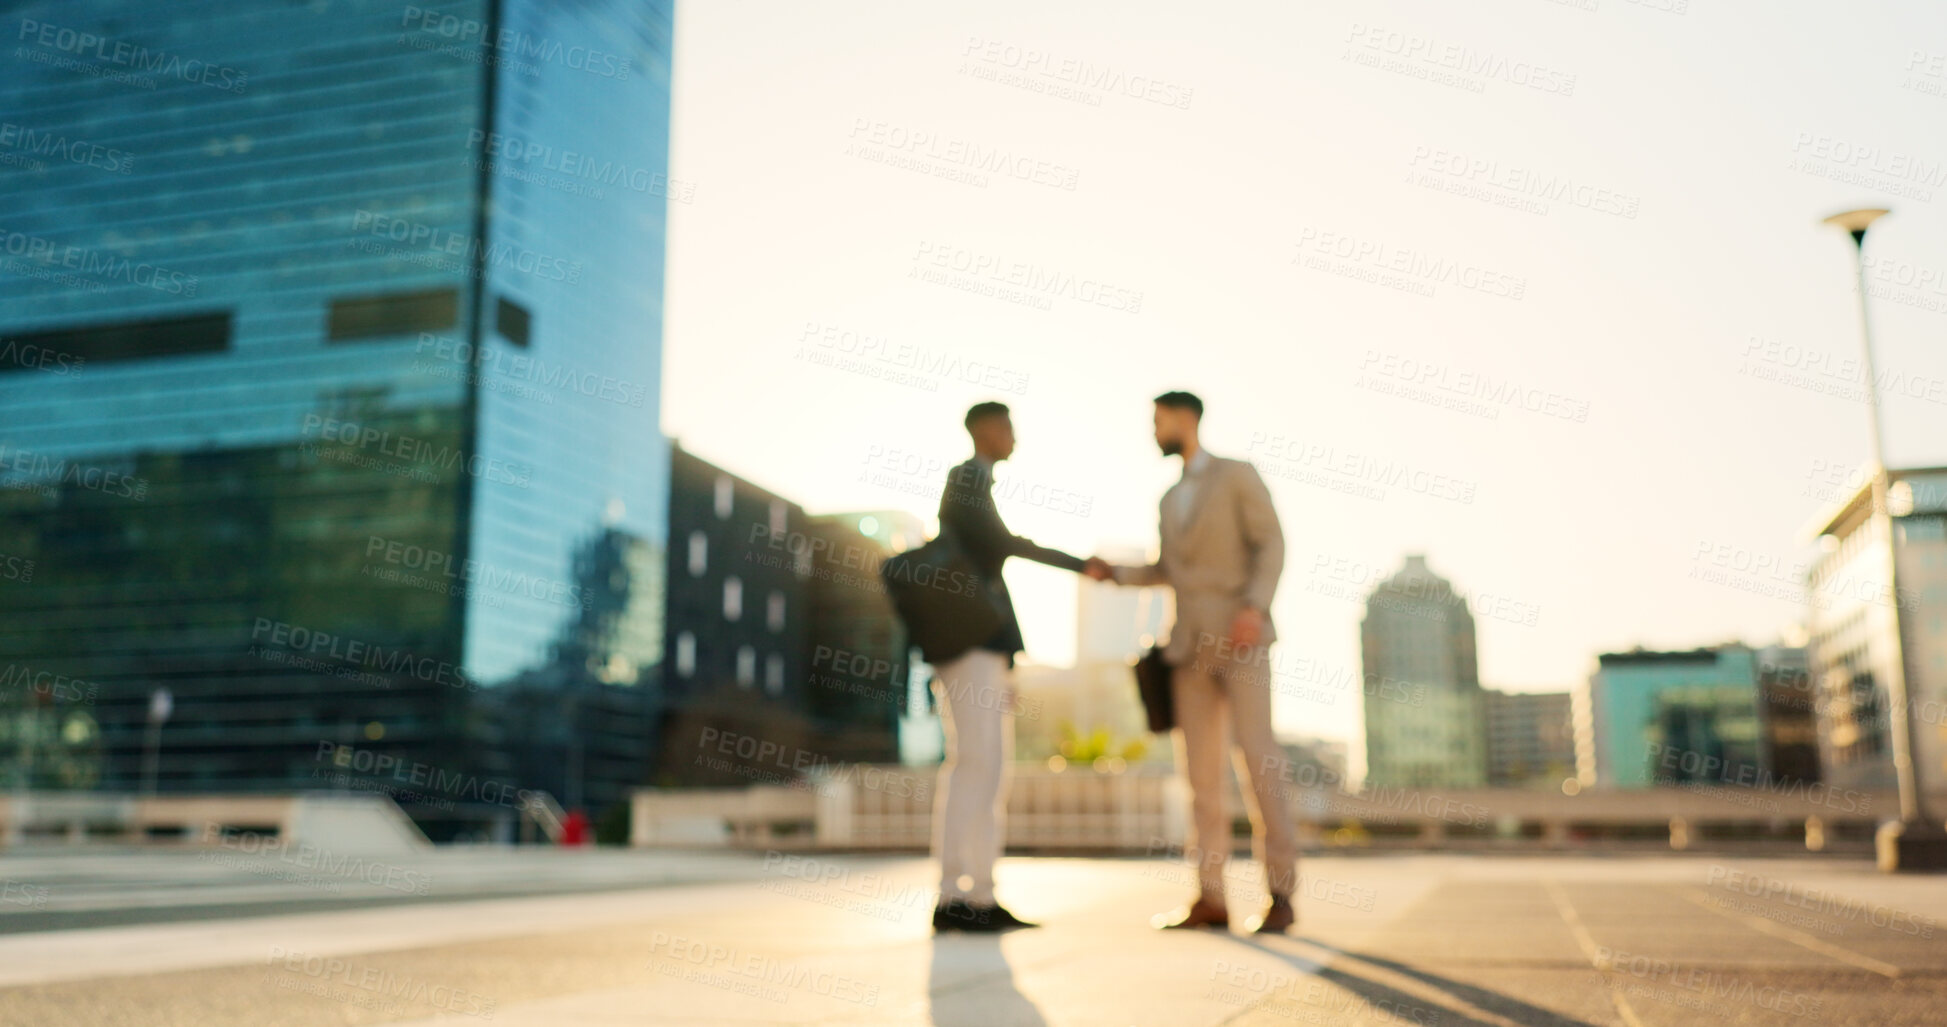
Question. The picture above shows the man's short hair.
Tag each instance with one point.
(982, 411)
(1181, 401)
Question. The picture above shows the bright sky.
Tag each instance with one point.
(1687, 364)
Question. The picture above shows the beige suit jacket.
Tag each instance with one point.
(1224, 553)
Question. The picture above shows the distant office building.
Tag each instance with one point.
(1788, 713)
(1418, 631)
(863, 676)
(1852, 642)
(329, 383)
(739, 559)
(1530, 739)
(1672, 718)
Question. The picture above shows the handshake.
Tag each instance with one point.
(1098, 569)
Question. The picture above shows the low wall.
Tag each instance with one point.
(1145, 809)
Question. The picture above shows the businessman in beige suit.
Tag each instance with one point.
(1222, 552)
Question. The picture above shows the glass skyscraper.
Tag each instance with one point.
(330, 362)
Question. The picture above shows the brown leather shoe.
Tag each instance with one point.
(1278, 916)
(1205, 912)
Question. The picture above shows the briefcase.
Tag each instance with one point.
(948, 606)
(1153, 688)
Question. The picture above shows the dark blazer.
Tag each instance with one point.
(967, 512)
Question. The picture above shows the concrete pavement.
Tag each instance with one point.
(786, 939)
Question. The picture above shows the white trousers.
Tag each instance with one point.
(976, 700)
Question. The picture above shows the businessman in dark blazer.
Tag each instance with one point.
(975, 690)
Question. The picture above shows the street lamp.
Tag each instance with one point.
(1916, 841)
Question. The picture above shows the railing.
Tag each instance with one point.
(1145, 809)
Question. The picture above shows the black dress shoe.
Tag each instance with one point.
(961, 915)
(1278, 917)
(1008, 920)
(1204, 912)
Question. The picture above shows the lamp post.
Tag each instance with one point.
(1916, 841)
(161, 704)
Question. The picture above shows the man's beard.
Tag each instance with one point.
(1171, 447)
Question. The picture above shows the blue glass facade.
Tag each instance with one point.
(327, 406)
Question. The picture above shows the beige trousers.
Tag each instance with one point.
(1218, 702)
(976, 701)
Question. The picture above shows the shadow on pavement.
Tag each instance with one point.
(1409, 1008)
(971, 983)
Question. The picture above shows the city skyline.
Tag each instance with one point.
(1657, 348)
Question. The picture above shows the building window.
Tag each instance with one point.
(699, 553)
(399, 313)
(733, 599)
(774, 674)
(685, 654)
(746, 666)
(778, 511)
(122, 340)
(774, 611)
(513, 321)
(726, 491)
